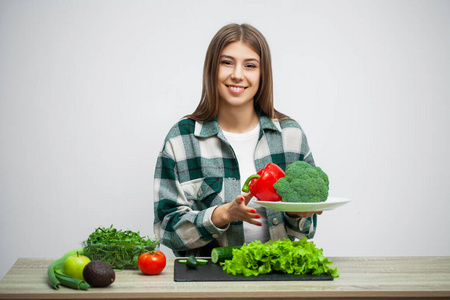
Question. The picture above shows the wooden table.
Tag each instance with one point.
(360, 277)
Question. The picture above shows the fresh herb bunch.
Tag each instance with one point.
(120, 249)
(298, 257)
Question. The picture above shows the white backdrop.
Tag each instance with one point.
(89, 89)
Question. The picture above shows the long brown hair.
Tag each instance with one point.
(208, 108)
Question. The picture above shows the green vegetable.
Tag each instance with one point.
(220, 254)
(298, 257)
(120, 249)
(71, 282)
(200, 262)
(57, 264)
(191, 262)
(303, 183)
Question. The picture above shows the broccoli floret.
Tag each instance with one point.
(303, 183)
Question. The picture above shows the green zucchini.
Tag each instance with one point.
(220, 254)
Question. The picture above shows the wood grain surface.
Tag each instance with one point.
(360, 278)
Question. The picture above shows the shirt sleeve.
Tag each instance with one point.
(176, 224)
(298, 227)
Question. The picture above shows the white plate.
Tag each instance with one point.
(330, 204)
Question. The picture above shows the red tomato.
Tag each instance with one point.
(152, 263)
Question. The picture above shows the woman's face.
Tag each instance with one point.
(238, 75)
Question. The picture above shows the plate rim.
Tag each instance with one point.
(337, 201)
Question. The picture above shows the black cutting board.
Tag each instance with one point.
(214, 272)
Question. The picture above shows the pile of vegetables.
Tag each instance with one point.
(57, 278)
(291, 257)
(105, 249)
(301, 183)
(120, 249)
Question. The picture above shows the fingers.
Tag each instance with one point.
(254, 222)
(247, 197)
(253, 218)
(242, 201)
(245, 213)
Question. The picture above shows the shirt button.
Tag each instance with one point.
(199, 193)
(275, 221)
(215, 236)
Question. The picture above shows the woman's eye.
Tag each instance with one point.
(226, 62)
(252, 66)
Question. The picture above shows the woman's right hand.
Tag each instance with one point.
(236, 210)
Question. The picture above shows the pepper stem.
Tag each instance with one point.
(245, 186)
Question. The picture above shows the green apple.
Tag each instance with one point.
(74, 265)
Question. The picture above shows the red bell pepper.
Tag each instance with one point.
(261, 184)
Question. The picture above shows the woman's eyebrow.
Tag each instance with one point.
(231, 57)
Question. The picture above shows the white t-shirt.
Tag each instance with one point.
(244, 145)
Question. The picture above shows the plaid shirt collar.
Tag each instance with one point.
(211, 128)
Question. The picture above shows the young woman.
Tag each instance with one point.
(234, 132)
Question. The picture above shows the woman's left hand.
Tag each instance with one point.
(303, 214)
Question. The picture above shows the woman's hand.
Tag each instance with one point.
(237, 210)
(303, 214)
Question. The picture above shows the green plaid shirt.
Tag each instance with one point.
(197, 171)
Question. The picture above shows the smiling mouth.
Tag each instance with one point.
(236, 89)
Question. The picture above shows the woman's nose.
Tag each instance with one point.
(237, 73)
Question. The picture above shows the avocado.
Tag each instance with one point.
(98, 274)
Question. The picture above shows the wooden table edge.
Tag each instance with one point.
(239, 295)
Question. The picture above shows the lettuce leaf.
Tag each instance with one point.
(291, 257)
